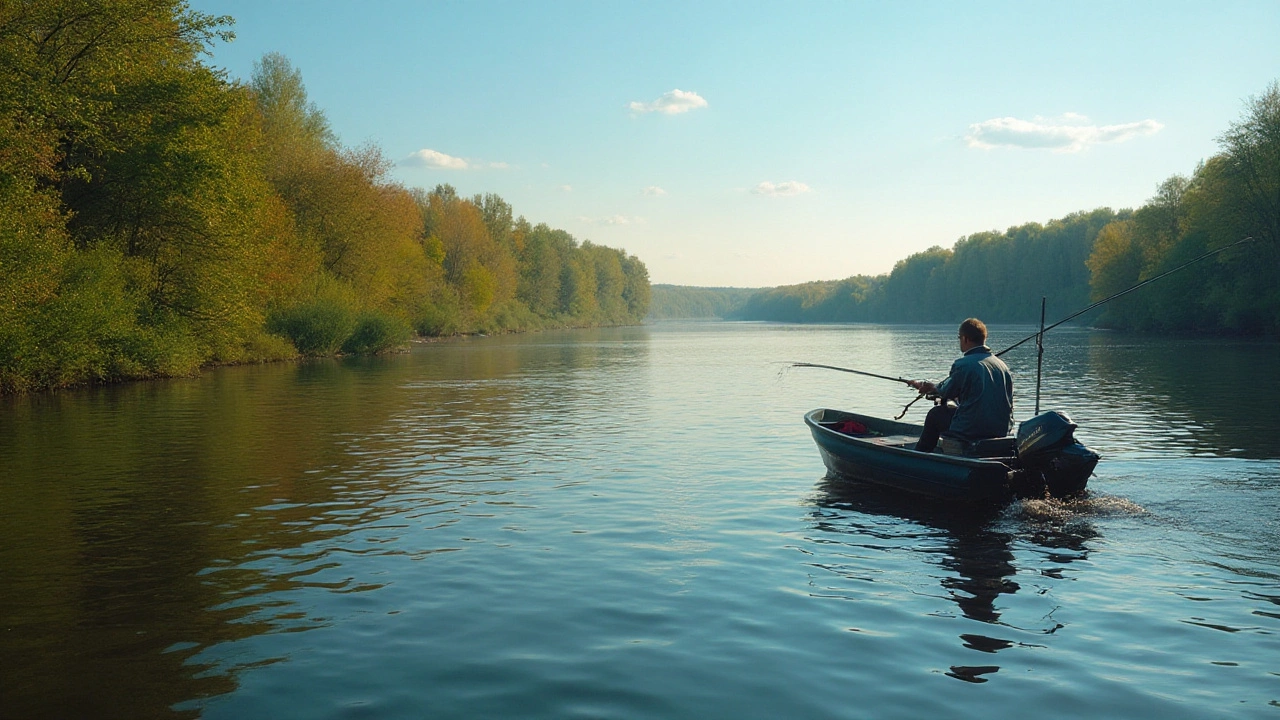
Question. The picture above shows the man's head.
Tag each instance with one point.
(972, 334)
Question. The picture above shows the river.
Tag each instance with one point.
(635, 523)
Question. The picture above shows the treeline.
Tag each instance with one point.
(671, 302)
(156, 217)
(1092, 255)
(1232, 195)
(999, 277)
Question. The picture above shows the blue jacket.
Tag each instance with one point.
(981, 385)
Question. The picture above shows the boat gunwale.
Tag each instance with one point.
(864, 443)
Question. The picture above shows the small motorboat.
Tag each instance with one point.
(1042, 460)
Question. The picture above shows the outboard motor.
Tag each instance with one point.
(1050, 459)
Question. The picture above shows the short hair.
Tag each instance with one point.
(974, 330)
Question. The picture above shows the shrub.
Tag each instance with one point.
(318, 327)
(261, 346)
(439, 316)
(376, 332)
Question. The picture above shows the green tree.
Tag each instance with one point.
(1252, 148)
(996, 276)
(155, 217)
(541, 268)
(636, 291)
(1249, 206)
(482, 272)
(138, 149)
(362, 230)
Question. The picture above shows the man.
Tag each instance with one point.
(982, 387)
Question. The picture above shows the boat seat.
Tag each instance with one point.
(991, 447)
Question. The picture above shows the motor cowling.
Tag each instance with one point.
(1050, 459)
(1044, 433)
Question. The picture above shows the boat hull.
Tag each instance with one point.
(887, 456)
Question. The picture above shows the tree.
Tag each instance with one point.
(913, 285)
(291, 122)
(1249, 206)
(126, 144)
(541, 267)
(996, 276)
(636, 291)
(155, 217)
(362, 231)
(1116, 263)
(1252, 148)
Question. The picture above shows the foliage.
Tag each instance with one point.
(500, 273)
(377, 332)
(156, 218)
(1002, 276)
(118, 186)
(999, 277)
(319, 325)
(1233, 195)
(1093, 255)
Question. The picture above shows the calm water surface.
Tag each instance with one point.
(634, 523)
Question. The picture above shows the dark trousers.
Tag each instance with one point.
(935, 423)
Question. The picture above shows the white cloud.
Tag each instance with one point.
(613, 220)
(434, 159)
(566, 188)
(653, 190)
(671, 103)
(782, 189)
(437, 160)
(1068, 134)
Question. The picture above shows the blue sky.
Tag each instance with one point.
(755, 144)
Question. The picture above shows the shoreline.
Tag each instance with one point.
(415, 340)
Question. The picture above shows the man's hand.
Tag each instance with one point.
(924, 386)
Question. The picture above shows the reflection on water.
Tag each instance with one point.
(1195, 389)
(1156, 397)
(974, 546)
(624, 523)
(214, 498)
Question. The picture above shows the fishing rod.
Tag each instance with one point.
(1126, 291)
(900, 415)
(850, 370)
(1040, 351)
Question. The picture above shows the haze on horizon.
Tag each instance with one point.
(732, 144)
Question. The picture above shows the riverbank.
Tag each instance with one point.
(291, 357)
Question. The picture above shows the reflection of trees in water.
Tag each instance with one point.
(1134, 392)
(141, 525)
(974, 548)
(1200, 381)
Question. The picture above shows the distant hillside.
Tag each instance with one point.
(676, 302)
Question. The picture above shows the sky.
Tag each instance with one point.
(755, 144)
